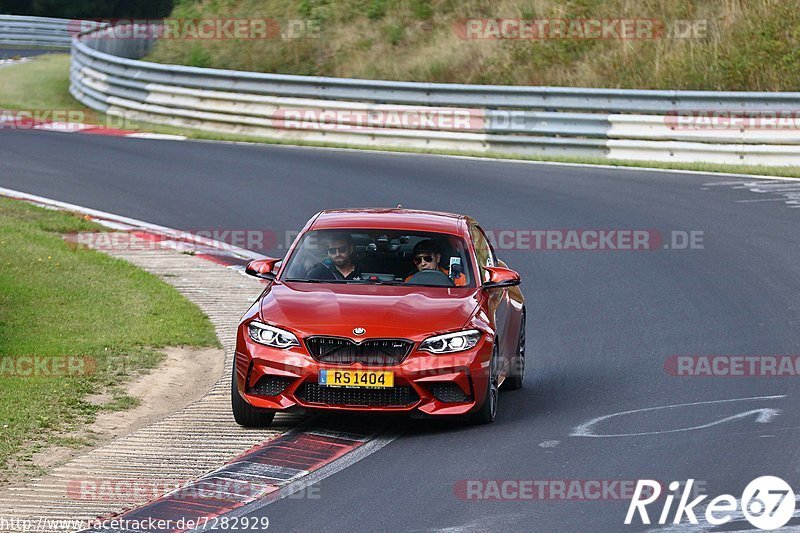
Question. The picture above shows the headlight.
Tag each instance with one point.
(451, 342)
(271, 336)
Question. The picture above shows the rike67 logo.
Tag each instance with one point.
(767, 502)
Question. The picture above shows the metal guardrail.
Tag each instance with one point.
(35, 32)
(108, 75)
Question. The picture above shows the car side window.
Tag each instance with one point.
(492, 254)
(483, 250)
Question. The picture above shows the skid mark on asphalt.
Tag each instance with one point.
(762, 415)
(774, 190)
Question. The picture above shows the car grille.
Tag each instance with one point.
(448, 392)
(393, 396)
(270, 385)
(339, 350)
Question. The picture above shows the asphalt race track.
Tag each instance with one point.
(601, 324)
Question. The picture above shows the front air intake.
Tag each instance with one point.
(448, 392)
(389, 397)
(269, 385)
(343, 351)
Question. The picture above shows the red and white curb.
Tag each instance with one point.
(265, 474)
(92, 129)
(159, 236)
(26, 120)
(13, 61)
(270, 471)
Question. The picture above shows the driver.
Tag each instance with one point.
(426, 256)
(339, 264)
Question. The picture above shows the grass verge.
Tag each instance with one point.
(73, 322)
(728, 45)
(39, 84)
(19, 91)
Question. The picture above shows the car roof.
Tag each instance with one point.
(390, 219)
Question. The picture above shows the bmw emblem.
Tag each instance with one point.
(359, 331)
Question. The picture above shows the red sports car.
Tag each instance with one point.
(385, 310)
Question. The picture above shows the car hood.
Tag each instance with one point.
(382, 310)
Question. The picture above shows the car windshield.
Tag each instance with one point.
(385, 257)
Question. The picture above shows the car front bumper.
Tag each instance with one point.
(427, 384)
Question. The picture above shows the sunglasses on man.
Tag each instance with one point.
(341, 249)
(420, 258)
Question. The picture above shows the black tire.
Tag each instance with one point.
(514, 380)
(488, 411)
(245, 414)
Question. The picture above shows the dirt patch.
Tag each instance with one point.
(185, 375)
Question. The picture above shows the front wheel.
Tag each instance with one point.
(245, 414)
(488, 411)
(514, 379)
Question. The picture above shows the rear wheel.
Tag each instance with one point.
(514, 380)
(245, 414)
(488, 411)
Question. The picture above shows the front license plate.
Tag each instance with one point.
(356, 378)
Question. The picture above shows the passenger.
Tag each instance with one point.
(426, 256)
(339, 264)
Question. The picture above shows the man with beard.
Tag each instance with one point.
(339, 264)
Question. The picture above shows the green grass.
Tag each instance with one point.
(58, 301)
(39, 84)
(57, 72)
(740, 45)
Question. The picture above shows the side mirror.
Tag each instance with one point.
(262, 268)
(501, 277)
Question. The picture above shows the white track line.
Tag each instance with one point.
(120, 222)
(349, 459)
